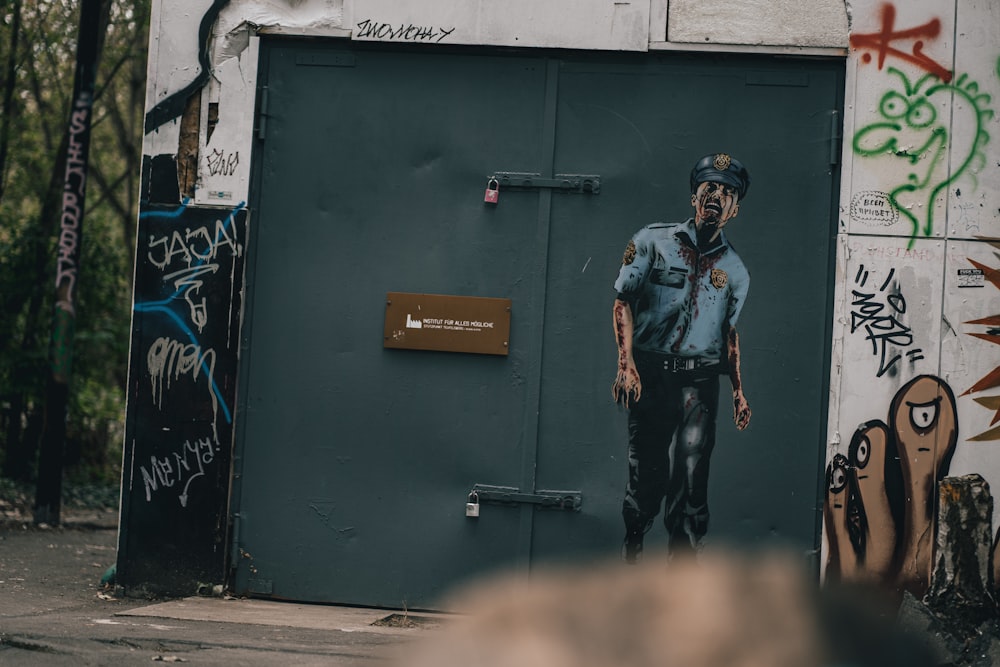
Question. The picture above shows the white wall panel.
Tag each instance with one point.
(970, 355)
(173, 63)
(224, 153)
(817, 23)
(581, 24)
(902, 117)
(974, 194)
(891, 323)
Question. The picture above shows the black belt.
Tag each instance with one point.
(677, 364)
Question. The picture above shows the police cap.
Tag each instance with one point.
(721, 168)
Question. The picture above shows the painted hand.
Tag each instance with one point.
(741, 410)
(626, 385)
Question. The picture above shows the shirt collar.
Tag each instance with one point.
(689, 234)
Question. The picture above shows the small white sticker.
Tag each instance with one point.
(971, 278)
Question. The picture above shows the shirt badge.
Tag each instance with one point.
(722, 162)
(719, 278)
(629, 253)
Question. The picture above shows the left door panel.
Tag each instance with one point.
(354, 460)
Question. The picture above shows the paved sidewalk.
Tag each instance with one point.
(54, 612)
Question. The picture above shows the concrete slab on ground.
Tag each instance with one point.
(291, 614)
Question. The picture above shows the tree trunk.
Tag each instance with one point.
(9, 84)
(94, 15)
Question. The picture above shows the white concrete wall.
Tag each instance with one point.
(920, 202)
(759, 22)
(174, 63)
(921, 194)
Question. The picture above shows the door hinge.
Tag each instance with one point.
(262, 114)
(509, 495)
(836, 130)
(234, 542)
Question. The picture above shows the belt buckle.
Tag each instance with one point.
(675, 364)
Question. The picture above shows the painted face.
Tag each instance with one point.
(924, 417)
(842, 560)
(836, 481)
(715, 204)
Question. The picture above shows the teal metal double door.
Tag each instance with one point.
(355, 462)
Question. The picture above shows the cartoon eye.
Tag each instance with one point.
(838, 479)
(923, 415)
(894, 105)
(921, 114)
(862, 452)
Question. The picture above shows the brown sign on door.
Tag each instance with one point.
(478, 325)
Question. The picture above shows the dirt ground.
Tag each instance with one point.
(44, 567)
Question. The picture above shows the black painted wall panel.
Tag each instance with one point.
(178, 435)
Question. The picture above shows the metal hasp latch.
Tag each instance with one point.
(509, 495)
(581, 183)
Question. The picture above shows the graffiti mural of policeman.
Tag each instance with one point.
(680, 291)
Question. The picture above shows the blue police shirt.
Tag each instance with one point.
(683, 300)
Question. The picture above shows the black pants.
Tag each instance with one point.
(671, 436)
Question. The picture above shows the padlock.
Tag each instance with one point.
(492, 195)
(472, 507)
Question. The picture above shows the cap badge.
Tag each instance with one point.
(629, 253)
(719, 278)
(722, 162)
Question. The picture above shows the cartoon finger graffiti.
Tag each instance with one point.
(842, 561)
(880, 509)
(923, 418)
(867, 458)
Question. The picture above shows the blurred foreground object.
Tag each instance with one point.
(718, 611)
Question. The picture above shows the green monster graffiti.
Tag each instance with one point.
(911, 129)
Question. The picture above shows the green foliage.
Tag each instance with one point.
(37, 64)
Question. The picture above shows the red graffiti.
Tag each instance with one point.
(882, 42)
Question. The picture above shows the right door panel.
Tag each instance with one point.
(642, 126)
